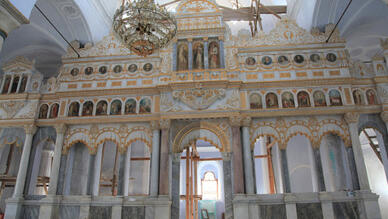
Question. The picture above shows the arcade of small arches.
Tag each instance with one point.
(321, 98)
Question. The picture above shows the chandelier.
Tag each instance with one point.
(144, 26)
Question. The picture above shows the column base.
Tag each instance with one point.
(49, 207)
(13, 208)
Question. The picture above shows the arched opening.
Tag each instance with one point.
(375, 157)
(77, 171)
(338, 164)
(10, 154)
(109, 173)
(301, 165)
(40, 167)
(139, 175)
(264, 172)
(201, 181)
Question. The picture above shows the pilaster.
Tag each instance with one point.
(237, 159)
(155, 158)
(248, 163)
(164, 157)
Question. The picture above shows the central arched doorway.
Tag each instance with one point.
(201, 179)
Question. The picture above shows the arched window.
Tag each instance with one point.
(139, 169)
(319, 98)
(288, 100)
(73, 109)
(335, 98)
(115, 107)
(209, 185)
(303, 99)
(87, 108)
(255, 101)
(54, 110)
(271, 100)
(102, 108)
(43, 111)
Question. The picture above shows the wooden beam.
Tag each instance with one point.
(245, 14)
(170, 3)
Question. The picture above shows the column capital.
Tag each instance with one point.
(165, 123)
(384, 116)
(176, 157)
(351, 117)
(221, 37)
(226, 156)
(60, 128)
(247, 121)
(205, 38)
(155, 125)
(235, 121)
(30, 129)
(190, 39)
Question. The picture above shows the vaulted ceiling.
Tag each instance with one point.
(90, 20)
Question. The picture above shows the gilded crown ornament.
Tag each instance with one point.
(144, 26)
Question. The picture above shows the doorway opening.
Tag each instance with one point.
(201, 182)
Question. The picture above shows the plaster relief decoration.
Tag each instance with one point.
(232, 101)
(11, 108)
(167, 104)
(199, 99)
(28, 111)
(283, 129)
(286, 32)
(108, 46)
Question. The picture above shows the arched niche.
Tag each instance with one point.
(301, 165)
(78, 166)
(110, 165)
(139, 173)
(337, 164)
(39, 168)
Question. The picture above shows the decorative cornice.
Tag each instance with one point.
(351, 117)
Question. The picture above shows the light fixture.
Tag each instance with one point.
(144, 26)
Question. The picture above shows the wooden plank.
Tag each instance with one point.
(245, 14)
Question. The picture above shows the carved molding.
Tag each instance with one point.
(199, 99)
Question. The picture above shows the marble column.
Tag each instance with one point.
(319, 170)
(227, 169)
(164, 157)
(352, 120)
(248, 164)
(61, 130)
(206, 53)
(97, 170)
(190, 54)
(176, 159)
(127, 168)
(285, 172)
(155, 158)
(238, 171)
(21, 177)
